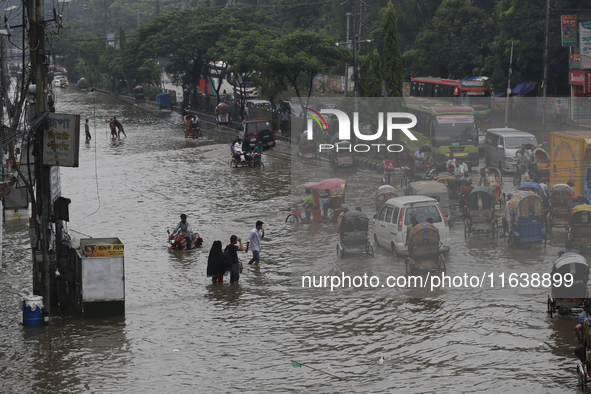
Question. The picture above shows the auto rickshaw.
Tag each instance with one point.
(138, 94)
(579, 226)
(383, 194)
(568, 296)
(333, 188)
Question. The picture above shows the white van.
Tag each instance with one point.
(501, 146)
(393, 218)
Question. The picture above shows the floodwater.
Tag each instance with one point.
(180, 334)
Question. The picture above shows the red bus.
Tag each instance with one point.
(470, 91)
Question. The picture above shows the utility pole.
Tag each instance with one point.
(354, 39)
(41, 280)
(544, 82)
(348, 14)
(509, 86)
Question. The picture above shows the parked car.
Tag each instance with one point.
(395, 215)
(258, 130)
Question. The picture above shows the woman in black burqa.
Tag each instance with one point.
(216, 266)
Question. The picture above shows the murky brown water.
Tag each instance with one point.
(181, 335)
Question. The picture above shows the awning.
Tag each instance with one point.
(521, 89)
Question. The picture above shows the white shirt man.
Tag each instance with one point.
(450, 162)
(238, 147)
(254, 242)
(461, 168)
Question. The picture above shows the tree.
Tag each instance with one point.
(371, 82)
(455, 45)
(392, 60)
(300, 56)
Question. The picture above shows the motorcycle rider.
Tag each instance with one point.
(184, 228)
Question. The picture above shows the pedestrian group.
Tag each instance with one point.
(221, 262)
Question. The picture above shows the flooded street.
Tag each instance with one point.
(180, 334)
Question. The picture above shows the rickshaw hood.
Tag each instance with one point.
(580, 208)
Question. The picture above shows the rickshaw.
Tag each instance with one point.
(535, 187)
(82, 84)
(542, 167)
(432, 189)
(579, 226)
(566, 299)
(247, 156)
(383, 194)
(342, 158)
(353, 234)
(423, 250)
(308, 151)
(451, 182)
(222, 112)
(480, 212)
(333, 188)
(193, 130)
(138, 94)
(525, 221)
(498, 186)
(560, 196)
(425, 171)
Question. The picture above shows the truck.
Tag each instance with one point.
(570, 160)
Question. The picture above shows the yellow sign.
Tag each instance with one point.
(103, 250)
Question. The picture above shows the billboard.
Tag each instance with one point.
(585, 44)
(61, 140)
(574, 61)
(568, 30)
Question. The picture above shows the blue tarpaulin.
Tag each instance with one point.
(163, 100)
(521, 89)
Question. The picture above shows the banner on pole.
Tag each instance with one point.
(61, 140)
(574, 61)
(569, 30)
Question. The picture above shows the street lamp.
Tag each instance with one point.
(66, 2)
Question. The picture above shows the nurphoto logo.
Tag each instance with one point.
(345, 130)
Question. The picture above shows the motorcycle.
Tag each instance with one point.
(180, 242)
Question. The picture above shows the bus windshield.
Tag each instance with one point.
(450, 129)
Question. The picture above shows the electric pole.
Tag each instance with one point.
(39, 63)
(354, 39)
(348, 14)
(544, 82)
(509, 86)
